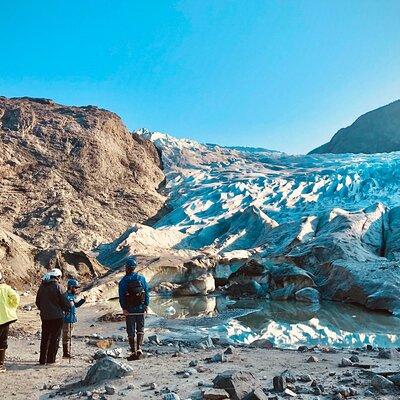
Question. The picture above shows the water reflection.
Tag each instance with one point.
(290, 324)
(184, 307)
(287, 324)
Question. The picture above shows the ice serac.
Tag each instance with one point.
(377, 131)
(73, 177)
(336, 218)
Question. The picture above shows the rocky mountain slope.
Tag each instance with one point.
(377, 131)
(72, 177)
(266, 224)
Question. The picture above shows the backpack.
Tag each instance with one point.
(135, 294)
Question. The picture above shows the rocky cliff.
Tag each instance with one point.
(72, 177)
(377, 131)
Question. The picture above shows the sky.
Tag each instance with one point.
(284, 75)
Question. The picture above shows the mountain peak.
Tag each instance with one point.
(377, 131)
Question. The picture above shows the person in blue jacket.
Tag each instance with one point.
(70, 317)
(134, 301)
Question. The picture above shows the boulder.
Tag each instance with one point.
(238, 384)
(262, 344)
(389, 354)
(106, 369)
(380, 383)
(202, 285)
(307, 295)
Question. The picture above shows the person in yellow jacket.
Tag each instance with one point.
(9, 302)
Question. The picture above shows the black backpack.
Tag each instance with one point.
(135, 294)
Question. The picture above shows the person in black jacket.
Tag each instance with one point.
(52, 303)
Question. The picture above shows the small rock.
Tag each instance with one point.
(229, 350)
(256, 394)
(154, 339)
(305, 378)
(171, 396)
(153, 386)
(396, 379)
(312, 359)
(318, 390)
(354, 359)
(289, 393)
(279, 383)
(215, 394)
(345, 362)
(353, 392)
(109, 389)
(302, 349)
(343, 390)
(290, 378)
(219, 357)
(193, 363)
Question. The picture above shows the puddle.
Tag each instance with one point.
(286, 324)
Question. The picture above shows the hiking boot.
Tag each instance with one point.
(2, 358)
(66, 351)
(133, 357)
(140, 337)
(132, 345)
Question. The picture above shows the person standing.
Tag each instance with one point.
(134, 301)
(52, 302)
(70, 317)
(9, 302)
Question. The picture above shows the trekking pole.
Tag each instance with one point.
(70, 341)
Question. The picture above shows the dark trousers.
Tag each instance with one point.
(51, 333)
(4, 335)
(134, 324)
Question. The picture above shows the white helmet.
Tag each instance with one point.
(55, 273)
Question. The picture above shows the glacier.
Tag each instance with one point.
(337, 217)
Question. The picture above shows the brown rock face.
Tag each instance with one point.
(72, 177)
(377, 131)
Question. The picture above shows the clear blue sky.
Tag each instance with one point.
(284, 75)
